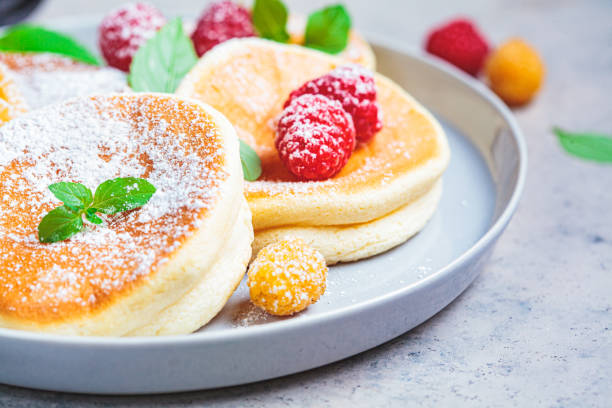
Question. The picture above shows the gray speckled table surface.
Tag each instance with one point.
(535, 327)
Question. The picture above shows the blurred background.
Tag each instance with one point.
(553, 27)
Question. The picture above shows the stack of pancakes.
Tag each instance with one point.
(170, 266)
(386, 192)
(166, 268)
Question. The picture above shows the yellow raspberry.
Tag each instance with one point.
(286, 277)
(515, 72)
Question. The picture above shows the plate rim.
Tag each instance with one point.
(279, 327)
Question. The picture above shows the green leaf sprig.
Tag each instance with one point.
(111, 197)
(327, 29)
(162, 62)
(270, 19)
(251, 163)
(31, 38)
(590, 146)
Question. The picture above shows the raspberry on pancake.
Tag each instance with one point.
(353, 86)
(386, 192)
(315, 137)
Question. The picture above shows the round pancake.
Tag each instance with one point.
(116, 278)
(12, 103)
(207, 298)
(357, 50)
(44, 78)
(346, 243)
(248, 80)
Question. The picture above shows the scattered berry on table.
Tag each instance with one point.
(515, 72)
(353, 86)
(286, 277)
(125, 29)
(460, 43)
(220, 22)
(315, 137)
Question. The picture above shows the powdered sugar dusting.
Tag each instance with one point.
(43, 78)
(11, 102)
(221, 21)
(166, 141)
(250, 315)
(353, 86)
(125, 29)
(287, 276)
(315, 137)
(362, 174)
(260, 76)
(406, 140)
(44, 88)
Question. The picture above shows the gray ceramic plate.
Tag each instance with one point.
(367, 302)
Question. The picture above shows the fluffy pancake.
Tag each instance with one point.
(357, 50)
(117, 278)
(249, 79)
(44, 78)
(207, 298)
(345, 243)
(11, 100)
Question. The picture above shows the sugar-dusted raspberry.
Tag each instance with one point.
(353, 86)
(460, 43)
(515, 72)
(220, 22)
(314, 137)
(286, 277)
(125, 29)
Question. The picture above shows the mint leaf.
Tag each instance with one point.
(30, 38)
(328, 29)
(112, 196)
(161, 63)
(122, 194)
(59, 224)
(90, 215)
(251, 163)
(588, 146)
(270, 19)
(73, 195)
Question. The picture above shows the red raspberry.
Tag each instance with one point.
(220, 22)
(354, 87)
(314, 137)
(125, 29)
(460, 43)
